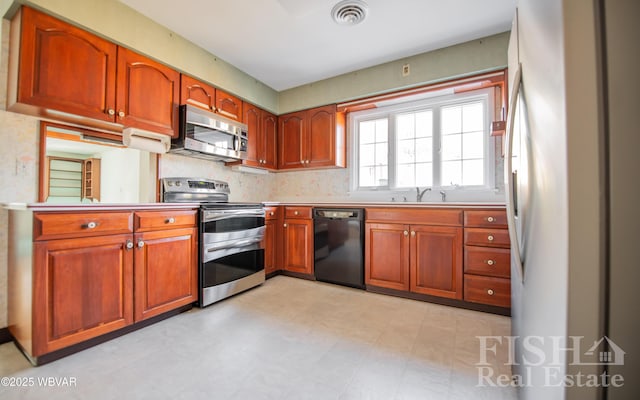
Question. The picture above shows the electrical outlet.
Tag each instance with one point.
(405, 70)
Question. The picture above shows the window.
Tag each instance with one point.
(436, 142)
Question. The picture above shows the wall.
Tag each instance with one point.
(464, 59)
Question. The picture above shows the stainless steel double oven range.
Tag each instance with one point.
(231, 250)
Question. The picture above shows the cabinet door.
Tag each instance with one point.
(197, 93)
(83, 288)
(298, 245)
(148, 94)
(269, 147)
(253, 118)
(270, 245)
(64, 68)
(228, 105)
(166, 271)
(320, 140)
(290, 134)
(436, 261)
(387, 256)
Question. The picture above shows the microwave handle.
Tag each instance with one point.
(236, 143)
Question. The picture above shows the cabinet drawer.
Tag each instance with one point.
(165, 219)
(271, 213)
(297, 212)
(425, 216)
(487, 261)
(486, 219)
(486, 290)
(486, 237)
(67, 225)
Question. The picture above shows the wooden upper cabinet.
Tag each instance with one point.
(312, 138)
(269, 141)
(147, 93)
(197, 93)
(291, 133)
(60, 67)
(253, 119)
(228, 105)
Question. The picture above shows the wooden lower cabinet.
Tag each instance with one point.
(272, 239)
(387, 258)
(83, 288)
(436, 261)
(298, 245)
(164, 271)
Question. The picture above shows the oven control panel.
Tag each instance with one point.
(194, 185)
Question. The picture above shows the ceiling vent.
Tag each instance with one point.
(349, 12)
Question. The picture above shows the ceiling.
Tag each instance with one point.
(288, 43)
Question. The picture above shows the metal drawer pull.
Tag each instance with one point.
(296, 213)
(272, 213)
(129, 245)
(171, 220)
(413, 233)
(490, 292)
(140, 244)
(111, 111)
(490, 238)
(490, 219)
(490, 262)
(285, 225)
(406, 233)
(121, 114)
(90, 225)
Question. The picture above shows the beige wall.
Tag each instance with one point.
(111, 19)
(464, 59)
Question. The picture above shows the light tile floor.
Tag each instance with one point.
(288, 339)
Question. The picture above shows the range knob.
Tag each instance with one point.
(178, 183)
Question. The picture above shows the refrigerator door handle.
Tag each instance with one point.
(510, 187)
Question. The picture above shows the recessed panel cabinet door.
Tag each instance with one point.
(436, 261)
(166, 271)
(321, 138)
(253, 118)
(228, 105)
(148, 94)
(298, 245)
(83, 289)
(387, 256)
(291, 133)
(269, 145)
(197, 93)
(65, 68)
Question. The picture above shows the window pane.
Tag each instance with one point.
(367, 155)
(367, 176)
(381, 153)
(424, 124)
(451, 147)
(406, 151)
(424, 150)
(451, 120)
(406, 175)
(472, 145)
(405, 125)
(424, 174)
(472, 172)
(382, 130)
(367, 132)
(382, 176)
(472, 117)
(451, 173)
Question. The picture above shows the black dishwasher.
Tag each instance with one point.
(338, 246)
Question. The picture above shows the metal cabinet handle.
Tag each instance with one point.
(129, 245)
(413, 233)
(272, 213)
(285, 225)
(406, 233)
(121, 114)
(111, 111)
(171, 220)
(296, 213)
(490, 238)
(490, 262)
(490, 292)
(90, 225)
(490, 219)
(140, 244)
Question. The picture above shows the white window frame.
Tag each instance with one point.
(397, 107)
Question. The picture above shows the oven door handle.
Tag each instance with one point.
(239, 243)
(219, 215)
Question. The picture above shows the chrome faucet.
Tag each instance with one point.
(419, 194)
(444, 195)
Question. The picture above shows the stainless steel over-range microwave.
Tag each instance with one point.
(204, 134)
